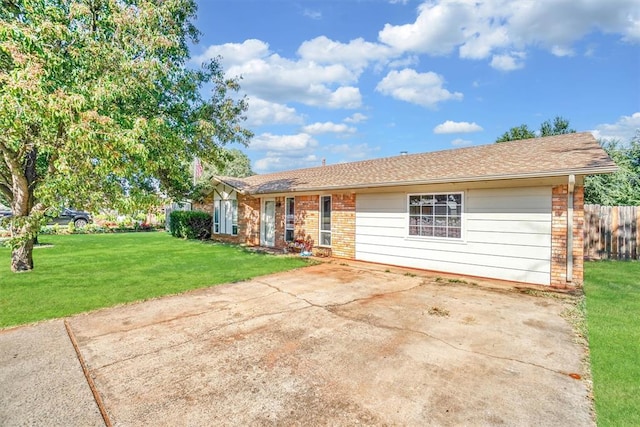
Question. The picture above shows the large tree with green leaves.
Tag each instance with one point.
(98, 105)
(623, 186)
(559, 126)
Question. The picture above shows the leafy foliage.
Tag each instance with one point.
(190, 224)
(98, 107)
(622, 187)
(559, 126)
(232, 162)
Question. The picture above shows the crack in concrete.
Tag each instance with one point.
(332, 307)
(196, 336)
(184, 316)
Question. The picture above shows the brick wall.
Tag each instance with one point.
(343, 225)
(559, 237)
(306, 218)
(248, 220)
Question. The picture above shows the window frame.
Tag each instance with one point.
(221, 224)
(321, 215)
(447, 226)
(289, 219)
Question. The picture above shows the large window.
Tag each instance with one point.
(225, 216)
(325, 221)
(289, 225)
(436, 215)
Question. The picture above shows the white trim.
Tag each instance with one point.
(320, 211)
(263, 222)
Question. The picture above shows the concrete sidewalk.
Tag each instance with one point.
(42, 383)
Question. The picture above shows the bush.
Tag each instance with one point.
(190, 224)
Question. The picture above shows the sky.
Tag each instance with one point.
(348, 80)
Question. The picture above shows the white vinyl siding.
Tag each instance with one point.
(506, 235)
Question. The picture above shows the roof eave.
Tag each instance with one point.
(564, 172)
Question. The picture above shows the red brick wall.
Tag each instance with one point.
(559, 237)
(343, 225)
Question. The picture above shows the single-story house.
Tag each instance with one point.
(510, 211)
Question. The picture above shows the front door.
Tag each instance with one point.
(268, 229)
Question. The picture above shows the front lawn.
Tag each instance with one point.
(84, 272)
(613, 316)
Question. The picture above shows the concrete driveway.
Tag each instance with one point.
(338, 344)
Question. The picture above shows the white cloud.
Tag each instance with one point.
(404, 62)
(457, 127)
(623, 130)
(356, 118)
(273, 78)
(263, 112)
(459, 142)
(328, 127)
(313, 14)
(423, 89)
(235, 53)
(508, 62)
(437, 29)
(274, 162)
(492, 28)
(357, 54)
(283, 143)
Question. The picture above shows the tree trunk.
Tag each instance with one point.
(22, 256)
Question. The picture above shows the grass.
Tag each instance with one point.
(79, 273)
(613, 319)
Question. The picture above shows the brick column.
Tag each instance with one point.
(343, 226)
(306, 222)
(248, 220)
(559, 207)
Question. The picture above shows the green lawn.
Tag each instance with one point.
(613, 317)
(84, 272)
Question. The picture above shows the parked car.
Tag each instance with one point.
(79, 218)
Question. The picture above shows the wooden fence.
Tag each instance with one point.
(611, 232)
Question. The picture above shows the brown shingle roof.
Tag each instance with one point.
(576, 153)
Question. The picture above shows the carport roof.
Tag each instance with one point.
(576, 153)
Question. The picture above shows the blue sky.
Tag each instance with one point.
(347, 80)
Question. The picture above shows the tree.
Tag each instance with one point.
(517, 133)
(559, 126)
(621, 187)
(232, 162)
(98, 106)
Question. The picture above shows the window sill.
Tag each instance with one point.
(453, 241)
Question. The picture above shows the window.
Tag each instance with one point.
(436, 215)
(216, 216)
(234, 217)
(225, 217)
(289, 224)
(325, 221)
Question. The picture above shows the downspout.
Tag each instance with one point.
(572, 184)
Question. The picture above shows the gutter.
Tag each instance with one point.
(571, 186)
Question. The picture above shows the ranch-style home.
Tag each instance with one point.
(510, 211)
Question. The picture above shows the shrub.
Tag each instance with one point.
(190, 224)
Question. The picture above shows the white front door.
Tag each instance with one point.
(268, 229)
